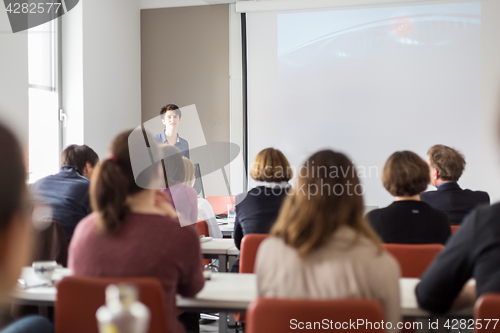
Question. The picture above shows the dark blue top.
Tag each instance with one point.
(472, 252)
(68, 194)
(455, 201)
(181, 143)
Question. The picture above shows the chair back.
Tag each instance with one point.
(78, 299)
(202, 228)
(487, 310)
(454, 228)
(51, 243)
(414, 258)
(249, 246)
(219, 202)
(270, 315)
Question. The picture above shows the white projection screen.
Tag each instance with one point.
(371, 80)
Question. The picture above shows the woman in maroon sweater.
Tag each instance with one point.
(135, 232)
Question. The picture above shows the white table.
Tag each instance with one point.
(228, 292)
(227, 228)
(218, 248)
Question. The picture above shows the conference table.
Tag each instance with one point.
(222, 249)
(223, 293)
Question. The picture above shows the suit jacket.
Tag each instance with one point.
(454, 201)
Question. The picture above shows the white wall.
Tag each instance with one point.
(146, 4)
(14, 79)
(102, 71)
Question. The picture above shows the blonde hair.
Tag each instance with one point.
(271, 165)
(188, 170)
(308, 220)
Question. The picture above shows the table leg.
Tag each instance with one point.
(222, 322)
(222, 263)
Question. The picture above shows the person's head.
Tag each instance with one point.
(446, 164)
(405, 174)
(170, 116)
(15, 226)
(328, 195)
(189, 178)
(81, 157)
(173, 166)
(270, 165)
(113, 183)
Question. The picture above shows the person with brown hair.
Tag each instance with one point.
(205, 211)
(67, 192)
(171, 117)
(15, 228)
(257, 209)
(320, 246)
(134, 231)
(446, 167)
(408, 220)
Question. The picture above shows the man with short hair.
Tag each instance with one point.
(446, 166)
(67, 192)
(171, 117)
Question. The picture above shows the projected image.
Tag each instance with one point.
(400, 72)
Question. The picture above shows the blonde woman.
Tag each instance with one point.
(205, 211)
(320, 246)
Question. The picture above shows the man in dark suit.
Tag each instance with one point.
(446, 166)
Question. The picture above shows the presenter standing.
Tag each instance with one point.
(171, 117)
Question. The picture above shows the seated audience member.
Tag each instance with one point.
(320, 246)
(447, 165)
(257, 210)
(473, 252)
(408, 220)
(135, 232)
(205, 211)
(67, 192)
(15, 229)
(184, 197)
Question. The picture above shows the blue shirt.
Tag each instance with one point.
(181, 143)
(67, 192)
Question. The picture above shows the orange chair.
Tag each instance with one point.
(219, 203)
(487, 307)
(414, 258)
(249, 246)
(269, 315)
(78, 299)
(454, 229)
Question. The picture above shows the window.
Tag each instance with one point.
(44, 100)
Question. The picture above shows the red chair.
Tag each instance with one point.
(78, 299)
(454, 228)
(219, 203)
(202, 230)
(487, 307)
(414, 258)
(269, 315)
(249, 246)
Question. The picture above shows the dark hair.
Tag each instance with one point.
(78, 156)
(448, 162)
(170, 107)
(111, 183)
(13, 187)
(405, 174)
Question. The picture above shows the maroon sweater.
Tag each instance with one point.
(147, 245)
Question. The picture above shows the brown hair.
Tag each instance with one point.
(78, 156)
(111, 183)
(306, 220)
(13, 190)
(170, 107)
(270, 165)
(188, 170)
(448, 162)
(405, 174)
